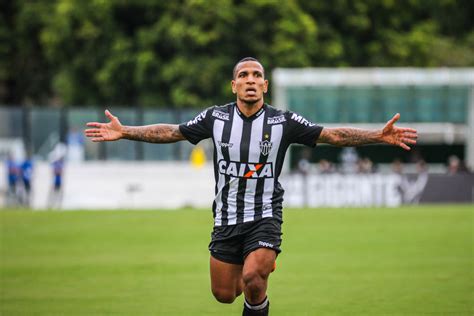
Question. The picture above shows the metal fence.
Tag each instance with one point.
(40, 129)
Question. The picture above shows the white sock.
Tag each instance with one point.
(257, 307)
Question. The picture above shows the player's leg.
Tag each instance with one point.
(262, 245)
(226, 263)
(257, 268)
(226, 280)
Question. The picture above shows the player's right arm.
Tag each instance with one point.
(114, 130)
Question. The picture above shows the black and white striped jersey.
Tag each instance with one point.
(248, 157)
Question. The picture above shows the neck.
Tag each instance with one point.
(249, 109)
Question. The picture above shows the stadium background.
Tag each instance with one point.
(63, 62)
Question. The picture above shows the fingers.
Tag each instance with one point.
(409, 130)
(96, 134)
(94, 124)
(93, 133)
(109, 115)
(404, 146)
(409, 138)
(409, 141)
(400, 136)
(394, 119)
(410, 135)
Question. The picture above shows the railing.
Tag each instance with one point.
(42, 128)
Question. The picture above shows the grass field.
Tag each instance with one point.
(404, 261)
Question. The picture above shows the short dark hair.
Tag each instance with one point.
(234, 72)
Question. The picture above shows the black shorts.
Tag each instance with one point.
(232, 244)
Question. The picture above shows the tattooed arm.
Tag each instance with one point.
(114, 130)
(158, 133)
(347, 136)
(390, 134)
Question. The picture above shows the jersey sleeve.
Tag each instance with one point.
(198, 128)
(301, 131)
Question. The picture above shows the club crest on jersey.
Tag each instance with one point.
(246, 170)
(265, 147)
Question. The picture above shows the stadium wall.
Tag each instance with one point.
(151, 185)
(124, 185)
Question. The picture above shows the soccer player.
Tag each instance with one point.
(250, 140)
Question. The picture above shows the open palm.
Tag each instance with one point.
(398, 136)
(105, 131)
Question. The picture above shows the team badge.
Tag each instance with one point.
(265, 147)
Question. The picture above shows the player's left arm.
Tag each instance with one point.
(390, 134)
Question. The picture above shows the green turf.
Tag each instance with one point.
(406, 261)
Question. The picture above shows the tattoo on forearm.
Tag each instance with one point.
(159, 133)
(346, 136)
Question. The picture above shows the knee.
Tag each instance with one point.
(224, 296)
(253, 280)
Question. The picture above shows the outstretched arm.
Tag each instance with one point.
(114, 130)
(390, 134)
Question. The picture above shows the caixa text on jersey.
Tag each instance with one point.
(245, 170)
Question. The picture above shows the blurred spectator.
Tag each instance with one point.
(59, 152)
(198, 157)
(26, 176)
(412, 186)
(365, 165)
(421, 167)
(75, 146)
(325, 166)
(56, 194)
(415, 155)
(13, 173)
(455, 165)
(304, 168)
(464, 168)
(304, 165)
(349, 158)
(397, 166)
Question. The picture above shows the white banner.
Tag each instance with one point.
(338, 190)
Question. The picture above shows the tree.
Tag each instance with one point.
(181, 53)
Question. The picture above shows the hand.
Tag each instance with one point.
(105, 131)
(398, 136)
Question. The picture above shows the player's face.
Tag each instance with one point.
(249, 83)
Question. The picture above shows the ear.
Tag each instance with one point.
(265, 87)
(234, 88)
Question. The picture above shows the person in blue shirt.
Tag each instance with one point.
(55, 197)
(26, 176)
(12, 175)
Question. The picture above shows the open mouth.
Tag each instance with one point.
(251, 90)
